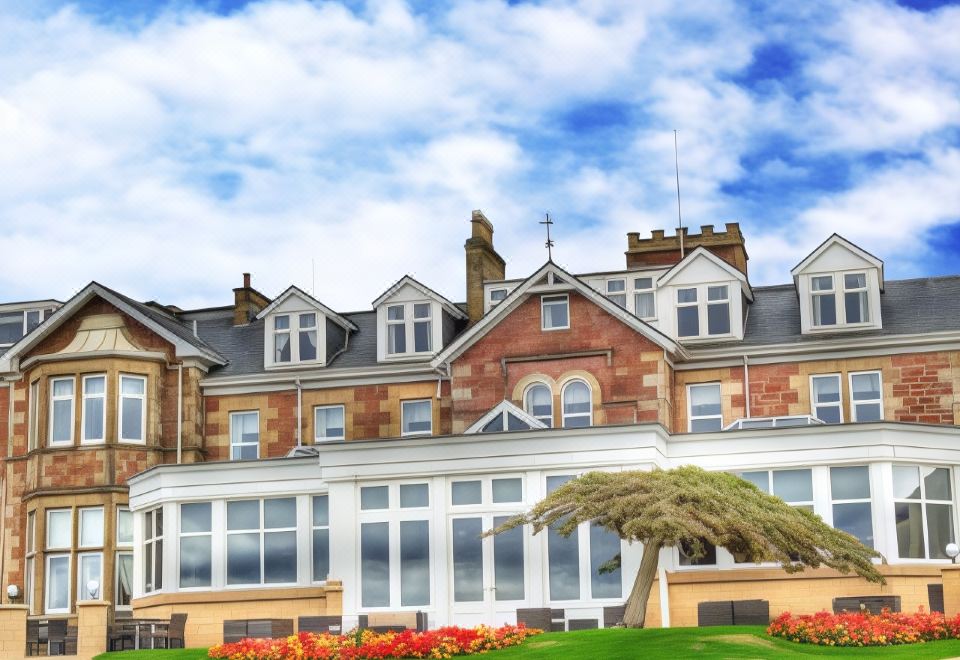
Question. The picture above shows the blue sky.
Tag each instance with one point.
(163, 148)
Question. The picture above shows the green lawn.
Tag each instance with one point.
(622, 644)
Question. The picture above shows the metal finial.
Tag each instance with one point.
(549, 243)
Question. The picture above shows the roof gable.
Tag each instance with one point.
(509, 408)
(837, 253)
(185, 344)
(551, 278)
(295, 292)
(407, 281)
(704, 266)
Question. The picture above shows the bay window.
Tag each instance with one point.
(320, 537)
(244, 435)
(61, 411)
(705, 412)
(866, 396)
(94, 413)
(33, 412)
(923, 511)
(31, 556)
(132, 408)
(328, 423)
(59, 529)
(91, 527)
(57, 576)
(416, 417)
(89, 575)
(123, 571)
(153, 550)
(262, 541)
(196, 534)
(851, 503)
(825, 396)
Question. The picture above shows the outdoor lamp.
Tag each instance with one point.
(93, 588)
(952, 551)
(13, 591)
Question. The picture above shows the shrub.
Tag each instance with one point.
(366, 644)
(864, 629)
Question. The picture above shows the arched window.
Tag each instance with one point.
(577, 404)
(539, 403)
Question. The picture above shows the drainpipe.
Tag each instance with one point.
(299, 412)
(180, 413)
(746, 382)
(664, 598)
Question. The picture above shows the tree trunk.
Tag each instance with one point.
(636, 606)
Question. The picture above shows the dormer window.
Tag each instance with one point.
(856, 299)
(718, 310)
(281, 338)
(295, 338)
(644, 299)
(497, 295)
(308, 337)
(703, 307)
(418, 317)
(617, 292)
(688, 314)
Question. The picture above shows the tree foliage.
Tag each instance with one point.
(691, 506)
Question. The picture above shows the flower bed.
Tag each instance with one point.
(363, 644)
(864, 629)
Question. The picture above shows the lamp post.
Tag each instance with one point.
(952, 551)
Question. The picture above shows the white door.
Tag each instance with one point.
(488, 577)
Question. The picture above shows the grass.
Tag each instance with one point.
(622, 644)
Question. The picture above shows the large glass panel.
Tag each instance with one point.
(467, 560)
(279, 513)
(244, 435)
(91, 527)
(936, 483)
(195, 565)
(321, 511)
(62, 430)
(414, 496)
(422, 327)
(759, 479)
(329, 423)
(826, 398)
(909, 519)
(855, 518)
(132, 428)
(124, 579)
(58, 582)
(396, 330)
(793, 485)
(243, 558)
(375, 564)
(645, 306)
(308, 337)
(850, 483)
(321, 554)
(718, 319)
(705, 400)
(279, 556)
(93, 399)
(124, 527)
(374, 497)
(281, 338)
(11, 327)
(563, 555)
(866, 386)
(539, 403)
(59, 529)
(555, 312)
(507, 490)
(688, 321)
(414, 562)
(604, 546)
(90, 569)
(906, 482)
(508, 566)
(244, 514)
(195, 517)
(417, 417)
(825, 309)
(576, 398)
(855, 304)
(465, 492)
(939, 529)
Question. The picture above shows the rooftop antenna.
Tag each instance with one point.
(549, 243)
(676, 163)
(313, 277)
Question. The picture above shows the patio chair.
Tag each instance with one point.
(34, 637)
(170, 633)
(57, 636)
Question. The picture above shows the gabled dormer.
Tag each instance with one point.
(300, 331)
(414, 322)
(839, 286)
(703, 298)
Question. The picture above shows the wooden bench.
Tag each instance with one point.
(237, 629)
(320, 624)
(872, 604)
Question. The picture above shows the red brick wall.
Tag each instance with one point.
(922, 388)
(626, 395)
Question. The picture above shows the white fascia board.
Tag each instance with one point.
(530, 286)
(293, 290)
(826, 349)
(189, 481)
(29, 305)
(837, 239)
(406, 280)
(320, 378)
(701, 252)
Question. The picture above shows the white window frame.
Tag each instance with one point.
(33, 419)
(923, 501)
(563, 403)
(409, 324)
(695, 304)
(116, 535)
(153, 540)
(814, 294)
(493, 302)
(529, 408)
(81, 513)
(234, 414)
(839, 292)
(854, 403)
(702, 305)
(182, 535)
(293, 332)
(644, 291)
(84, 440)
(313, 528)
(262, 531)
(30, 563)
(46, 541)
(288, 331)
(813, 401)
(317, 438)
(554, 299)
(143, 409)
(306, 329)
(622, 292)
(47, 583)
(864, 290)
(691, 417)
(715, 303)
(403, 416)
(859, 500)
(116, 580)
(82, 593)
(73, 410)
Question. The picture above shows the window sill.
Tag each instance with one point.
(566, 327)
(408, 357)
(278, 366)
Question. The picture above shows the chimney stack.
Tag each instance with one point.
(662, 250)
(247, 302)
(483, 263)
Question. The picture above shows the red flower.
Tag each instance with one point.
(864, 629)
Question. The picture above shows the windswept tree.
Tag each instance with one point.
(690, 507)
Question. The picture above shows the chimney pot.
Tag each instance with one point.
(246, 280)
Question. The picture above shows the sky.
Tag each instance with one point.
(164, 148)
